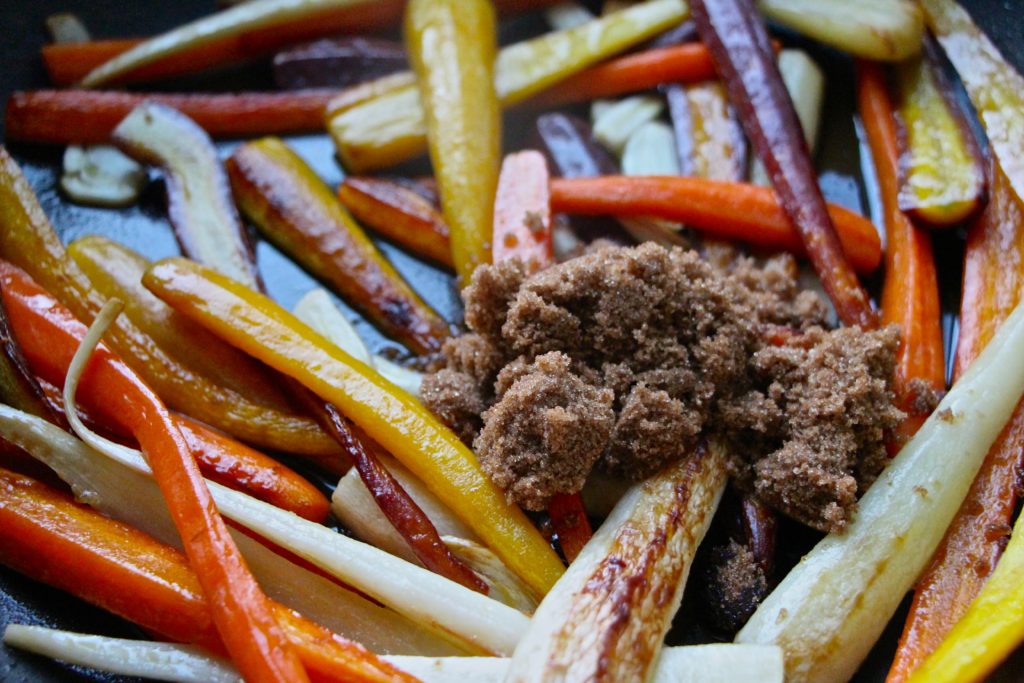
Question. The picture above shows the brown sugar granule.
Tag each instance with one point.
(673, 347)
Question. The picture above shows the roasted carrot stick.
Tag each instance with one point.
(68, 63)
(63, 117)
(522, 230)
(50, 334)
(50, 538)
(399, 214)
(723, 210)
(910, 296)
(993, 281)
(735, 32)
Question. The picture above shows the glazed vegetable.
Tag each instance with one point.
(989, 631)
(202, 382)
(885, 30)
(240, 611)
(240, 33)
(910, 295)
(399, 214)
(522, 211)
(112, 565)
(293, 208)
(829, 610)
(199, 202)
(68, 63)
(709, 142)
(992, 283)
(636, 564)
(100, 175)
(391, 418)
(337, 62)
(942, 180)
(743, 56)
(62, 117)
(19, 386)
(390, 128)
(729, 211)
(452, 46)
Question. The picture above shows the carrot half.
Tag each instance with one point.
(910, 295)
(993, 281)
(522, 230)
(51, 538)
(68, 63)
(240, 609)
(64, 117)
(723, 210)
(49, 335)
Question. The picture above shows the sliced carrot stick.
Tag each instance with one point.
(992, 285)
(68, 63)
(399, 214)
(240, 609)
(910, 296)
(522, 230)
(724, 210)
(50, 538)
(63, 117)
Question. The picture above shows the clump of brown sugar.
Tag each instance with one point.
(623, 357)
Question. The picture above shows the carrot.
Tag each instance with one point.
(51, 538)
(399, 214)
(240, 609)
(993, 281)
(63, 117)
(723, 210)
(910, 295)
(522, 230)
(68, 63)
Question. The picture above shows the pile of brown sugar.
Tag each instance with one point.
(623, 357)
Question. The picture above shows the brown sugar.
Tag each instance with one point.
(622, 357)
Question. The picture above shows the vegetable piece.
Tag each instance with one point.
(614, 125)
(743, 56)
(805, 84)
(649, 540)
(570, 524)
(910, 295)
(190, 379)
(51, 335)
(399, 214)
(100, 175)
(317, 310)
(522, 211)
(338, 62)
(941, 176)
(200, 207)
(66, 27)
(566, 15)
(238, 33)
(884, 30)
(730, 211)
(62, 117)
(989, 631)
(708, 140)
(68, 63)
(289, 204)
(19, 386)
(992, 284)
(452, 46)
(132, 497)
(829, 610)
(52, 539)
(240, 610)
(649, 151)
(391, 418)
(632, 73)
(160, 661)
(391, 128)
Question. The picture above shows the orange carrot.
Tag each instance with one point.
(993, 281)
(51, 538)
(723, 210)
(64, 117)
(399, 214)
(910, 296)
(522, 230)
(68, 63)
(241, 611)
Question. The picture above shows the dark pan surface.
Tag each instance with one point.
(145, 229)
